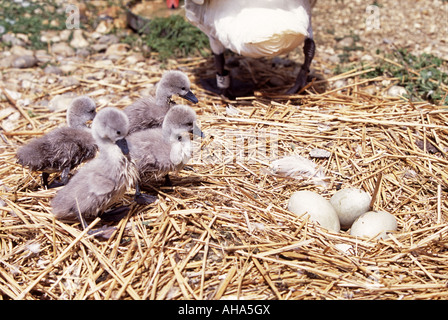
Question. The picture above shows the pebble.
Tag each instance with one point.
(11, 120)
(62, 49)
(117, 49)
(320, 153)
(60, 102)
(78, 40)
(50, 36)
(21, 51)
(396, 91)
(42, 56)
(52, 70)
(13, 40)
(26, 61)
(346, 42)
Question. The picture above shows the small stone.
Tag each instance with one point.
(82, 52)
(13, 40)
(7, 61)
(396, 91)
(339, 83)
(64, 35)
(68, 67)
(134, 58)
(21, 51)
(42, 56)
(11, 120)
(63, 49)
(117, 49)
(346, 42)
(52, 70)
(108, 39)
(22, 62)
(99, 47)
(50, 36)
(78, 40)
(320, 153)
(69, 81)
(104, 27)
(60, 102)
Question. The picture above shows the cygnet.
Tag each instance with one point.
(149, 112)
(103, 180)
(64, 148)
(159, 151)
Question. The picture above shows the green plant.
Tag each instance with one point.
(174, 37)
(421, 76)
(30, 18)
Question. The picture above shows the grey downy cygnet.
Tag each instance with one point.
(62, 149)
(159, 151)
(149, 112)
(103, 180)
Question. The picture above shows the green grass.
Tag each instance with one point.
(173, 37)
(30, 18)
(421, 76)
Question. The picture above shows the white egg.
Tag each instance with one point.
(374, 223)
(349, 204)
(318, 208)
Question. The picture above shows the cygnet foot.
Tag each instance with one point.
(105, 232)
(115, 215)
(145, 199)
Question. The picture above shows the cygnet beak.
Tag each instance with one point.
(123, 145)
(196, 131)
(190, 97)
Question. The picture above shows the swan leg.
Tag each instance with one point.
(222, 84)
(45, 176)
(141, 198)
(64, 175)
(63, 181)
(104, 232)
(309, 48)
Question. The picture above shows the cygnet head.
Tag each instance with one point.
(111, 125)
(81, 110)
(181, 118)
(175, 82)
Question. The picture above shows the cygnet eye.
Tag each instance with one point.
(183, 88)
(190, 124)
(179, 138)
(118, 132)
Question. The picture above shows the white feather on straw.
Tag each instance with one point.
(299, 167)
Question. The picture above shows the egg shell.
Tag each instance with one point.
(374, 223)
(349, 204)
(319, 209)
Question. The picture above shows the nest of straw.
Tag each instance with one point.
(223, 231)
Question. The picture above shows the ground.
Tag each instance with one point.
(223, 230)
